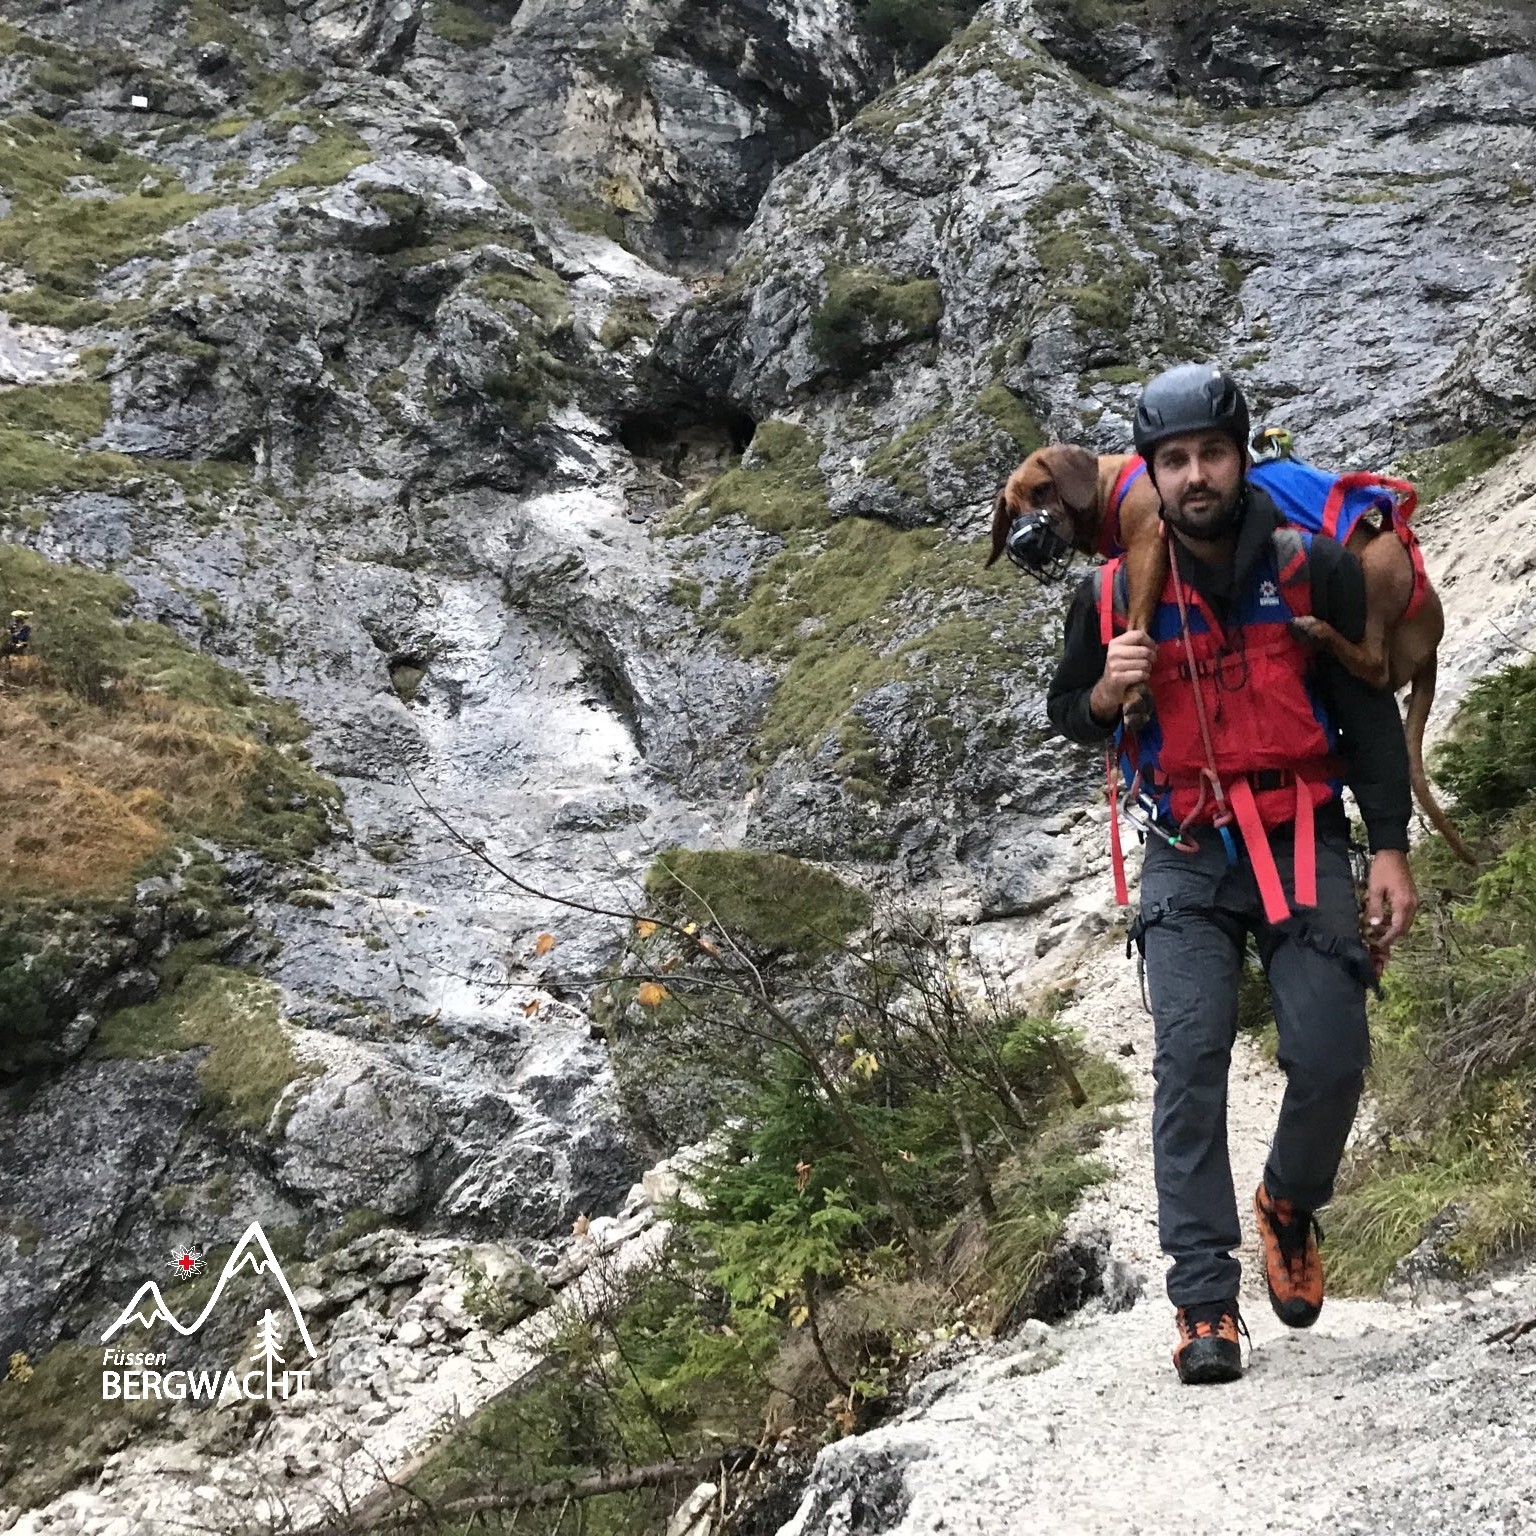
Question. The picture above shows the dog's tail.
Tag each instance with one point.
(1419, 701)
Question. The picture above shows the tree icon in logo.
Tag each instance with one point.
(268, 1348)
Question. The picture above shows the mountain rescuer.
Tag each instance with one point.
(1237, 779)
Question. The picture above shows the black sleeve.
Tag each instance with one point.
(1371, 739)
(1080, 667)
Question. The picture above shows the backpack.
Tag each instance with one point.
(1320, 501)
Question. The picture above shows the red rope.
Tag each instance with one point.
(1223, 815)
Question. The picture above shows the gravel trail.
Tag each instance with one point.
(1382, 1419)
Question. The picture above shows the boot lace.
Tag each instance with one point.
(1206, 1319)
(1292, 1231)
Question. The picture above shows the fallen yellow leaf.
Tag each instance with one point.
(645, 927)
(652, 994)
(544, 943)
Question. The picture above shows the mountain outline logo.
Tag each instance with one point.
(244, 1255)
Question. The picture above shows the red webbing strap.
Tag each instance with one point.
(1106, 634)
(1116, 851)
(1245, 808)
(1420, 593)
(1405, 498)
(1304, 866)
(1109, 534)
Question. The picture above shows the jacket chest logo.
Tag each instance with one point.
(1269, 595)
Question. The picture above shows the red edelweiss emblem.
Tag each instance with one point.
(188, 1261)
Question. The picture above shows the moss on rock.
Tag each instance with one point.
(867, 311)
(766, 901)
(249, 1060)
(778, 485)
(1438, 471)
(1002, 406)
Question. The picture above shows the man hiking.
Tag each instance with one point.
(1252, 736)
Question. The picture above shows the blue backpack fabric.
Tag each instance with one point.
(1301, 492)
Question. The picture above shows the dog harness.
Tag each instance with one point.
(1309, 498)
(1398, 500)
(1239, 735)
(1110, 543)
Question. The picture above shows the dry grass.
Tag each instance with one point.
(866, 1326)
(91, 792)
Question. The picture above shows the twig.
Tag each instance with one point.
(1513, 1332)
(563, 1493)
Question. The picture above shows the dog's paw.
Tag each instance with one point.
(1137, 710)
(1308, 628)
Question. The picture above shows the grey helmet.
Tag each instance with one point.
(1194, 397)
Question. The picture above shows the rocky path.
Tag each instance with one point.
(1381, 1419)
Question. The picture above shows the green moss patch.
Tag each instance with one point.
(769, 900)
(464, 25)
(904, 459)
(829, 608)
(828, 605)
(629, 320)
(235, 1015)
(777, 486)
(64, 242)
(1436, 472)
(539, 291)
(1084, 263)
(334, 154)
(54, 1426)
(867, 311)
(1002, 406)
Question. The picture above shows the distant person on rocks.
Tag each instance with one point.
(1237, 778)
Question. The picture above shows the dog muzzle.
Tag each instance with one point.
(1034, 546)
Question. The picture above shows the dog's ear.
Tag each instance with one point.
(1002, 521)
(1076, 473)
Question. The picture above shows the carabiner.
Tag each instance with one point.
(1141, 811)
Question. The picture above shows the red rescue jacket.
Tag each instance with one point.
(1272, 748)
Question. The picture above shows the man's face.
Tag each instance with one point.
(1200, 478)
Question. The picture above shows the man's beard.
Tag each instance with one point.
(1209, 517)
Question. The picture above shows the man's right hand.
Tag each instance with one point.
(1127, 664)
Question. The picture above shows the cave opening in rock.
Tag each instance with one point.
(686, 443)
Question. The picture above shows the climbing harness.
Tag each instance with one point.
(1188, 787)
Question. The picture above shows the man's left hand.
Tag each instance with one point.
(1391, 899)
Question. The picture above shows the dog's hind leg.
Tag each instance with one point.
(1388, 573)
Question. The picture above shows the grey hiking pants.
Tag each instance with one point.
(1196, 913)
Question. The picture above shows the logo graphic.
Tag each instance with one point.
(1269, 593)
(188, 1261)
(253, 1252)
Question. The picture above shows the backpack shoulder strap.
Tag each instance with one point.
(1293, 563)
(1114, 599)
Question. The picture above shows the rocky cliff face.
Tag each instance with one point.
(600, 403)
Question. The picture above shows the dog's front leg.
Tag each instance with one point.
(1368, 660)
(1146, 573)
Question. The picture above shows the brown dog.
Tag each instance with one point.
(1075, 488)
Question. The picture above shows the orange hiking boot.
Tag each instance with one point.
(1292, 1265)
(1208, 1349)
